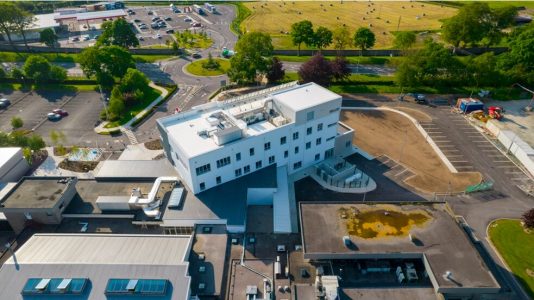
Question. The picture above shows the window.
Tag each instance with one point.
(286, 154)
(332, 124)
(283, 140)
(347, 144)
(223, 162)
(317, 156)
(246, 169)
(251, 151)
(319, 126)
(203, 169)
(310, 115)
(267, 146)
(295, 135)
(258, 164)
(218, 179)
(153, 287)
(330, 138)
(309, 130)
(296, 150)
(308, 145)
(271, 159)
(334, 110)
(318, 141)
(297, 165)
(238, 172)
(238, 156)
(54, 286)
(202, 186)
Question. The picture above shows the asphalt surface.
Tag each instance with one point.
(470, 150)
(355, 69)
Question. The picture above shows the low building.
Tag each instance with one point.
(438, 250)
(33, 32)
(40, 200)
(289, 125)
(12, 164)
(98, 266)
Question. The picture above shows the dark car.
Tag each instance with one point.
(169, 31)
(4, 103)
(137, 21)
(196, 24)
(196, 55)
(150, 13)
(168, 19)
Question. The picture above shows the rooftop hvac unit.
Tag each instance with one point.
(279, 121)
(213, 121)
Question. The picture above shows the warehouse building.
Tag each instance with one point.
(98, 266)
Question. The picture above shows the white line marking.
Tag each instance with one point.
(514, 172)
(459, 161)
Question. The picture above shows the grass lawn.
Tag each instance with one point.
(516, 247)
(49, 87)
(196, 68)
(133, 110)
(363, 60)
(276, 18)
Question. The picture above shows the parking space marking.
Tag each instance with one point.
(513, 172)
(458, 161)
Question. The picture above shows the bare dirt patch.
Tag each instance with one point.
(154, 145)
(78, 166)
(392, 134)
(416, 114)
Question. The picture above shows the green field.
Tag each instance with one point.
(384, 17)
(363, 60)
(196, 68)
(516, 247)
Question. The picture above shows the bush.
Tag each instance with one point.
(528, 218)
(58, 74)
(2, 73)
(16, 122)
(211, 64)
(37, 67)
(17, 73)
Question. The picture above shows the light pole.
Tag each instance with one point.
(103, 101)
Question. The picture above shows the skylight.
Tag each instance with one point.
(54, 286)
(136, 286)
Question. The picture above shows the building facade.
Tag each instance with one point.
(292, 125)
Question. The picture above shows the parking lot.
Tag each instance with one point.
(83, 110)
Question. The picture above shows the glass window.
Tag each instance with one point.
(267, 146)
(246, 169)
(318, 141)
(295, 135)
(297, 165)
(317, 156)
(258, 164)
(309, 130)
(286, 154)
(271, 159)
(218, 179)
(223, 162)
(251, 151)
(203, 169)
(319, 126)
(202, 186)
(238, 156)
(238, 172)
(283, 140)
(296, 150)
(308, 145)
(347, 144)
(310, 115)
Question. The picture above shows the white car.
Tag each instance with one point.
(86, 38)
(157, 36)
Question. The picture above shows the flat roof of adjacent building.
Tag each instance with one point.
(442, 242)
(134, 169)
(6, 153)
(99, 257)
(227, 201)
(305, 96)
(44, 21)
(35, 192)
(92, 15)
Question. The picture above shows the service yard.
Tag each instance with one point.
(392, 134)
(383, 18)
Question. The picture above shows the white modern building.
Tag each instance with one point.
(289, 125)
(12, 164)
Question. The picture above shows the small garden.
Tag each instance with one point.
(514, 240)
(190, 40)
(209, 67)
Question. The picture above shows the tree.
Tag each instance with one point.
(528, 218)
(340, 68)
(253, 52)
(322, 38)
(518, 63)
(341, 38)
(2, 73)
(404, 40)
(364, 38)
(23, 20)
(37, 67)
(302, 32)
(482, 70)
(57, 73)
(133, 80)
(502, 18)
(58, 138)
(432, 65)
(118, 33)
(317, 69)
(105, 63)
(7, 20)
(35, 142)
(276, 71)
(17, 73)
(116, 107)
(16, 122)
(48, 37)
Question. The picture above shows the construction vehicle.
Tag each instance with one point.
(495, 112)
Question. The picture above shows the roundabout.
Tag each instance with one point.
(207, 68)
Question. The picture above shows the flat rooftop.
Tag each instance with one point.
(227, 201)
(92, 15)
(210, 126)
(441, 241)
(35, 192)
(134, 169)
(6, 153)
(99, 257)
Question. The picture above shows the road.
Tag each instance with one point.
(355, 69)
